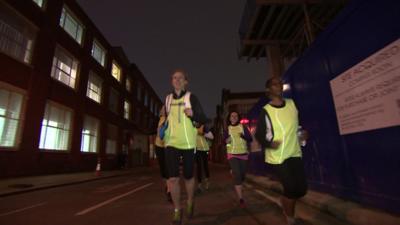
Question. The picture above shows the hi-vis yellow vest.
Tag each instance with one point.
(181, 133)
(238, 145)
(284, 122)
(202, 144)
(159, 142)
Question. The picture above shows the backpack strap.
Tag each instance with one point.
(168, 101)
(187, 100)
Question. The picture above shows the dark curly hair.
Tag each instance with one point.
(228, 121)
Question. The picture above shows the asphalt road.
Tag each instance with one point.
(139, 199)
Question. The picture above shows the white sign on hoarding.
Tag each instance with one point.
(367, 96)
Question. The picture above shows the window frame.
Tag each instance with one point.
(10, 24)
(97, 135)
(69, 141)
(115, 64)
(97, 44)
(112, 139)
(54, 67)
(21, 116)
(42, 5)
(74, 19)
(90, 90)
(113, 90)
(129, 112)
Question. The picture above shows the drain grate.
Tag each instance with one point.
(20, 185)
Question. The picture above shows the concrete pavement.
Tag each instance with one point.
(346, 211)
(12, 186)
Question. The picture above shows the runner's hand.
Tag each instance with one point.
(188, 112)
(275, 144)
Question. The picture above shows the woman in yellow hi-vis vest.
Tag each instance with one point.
(237, 138)
(184, 113)
(160, 153)
(277, 132)
(202, 149)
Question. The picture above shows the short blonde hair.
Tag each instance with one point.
(182, 71)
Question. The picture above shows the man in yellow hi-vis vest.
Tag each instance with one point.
(277, 131)
(184, 113)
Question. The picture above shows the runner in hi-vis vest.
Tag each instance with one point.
(184, 113)
(277, 131)
(202, 148)
(237, 138)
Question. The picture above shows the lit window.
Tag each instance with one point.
(90, 133)
(116, 71)
(98, 53)
(111, 144)
(127, 110)
(56, 128)
(39, 3)
(16, 35)
(65, 67)
(10, 117)
(113, 101)
(71, 25)
(94, 87)
(128, 84)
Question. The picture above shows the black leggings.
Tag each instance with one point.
(239, 167)
(292, 176)
(202, 165)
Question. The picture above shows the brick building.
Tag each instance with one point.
(67, 97)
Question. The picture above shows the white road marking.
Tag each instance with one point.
(83, 212)
(109, 188)
(23, 209)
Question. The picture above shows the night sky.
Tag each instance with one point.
(198, 36)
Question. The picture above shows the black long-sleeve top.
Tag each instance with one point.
(261, 130)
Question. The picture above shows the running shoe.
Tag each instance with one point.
(190, 210)
(177, 217)
(242, 204)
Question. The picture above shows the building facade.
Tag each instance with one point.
(68, 99)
